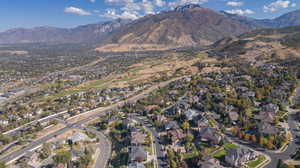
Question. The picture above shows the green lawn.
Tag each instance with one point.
(190, 155)
(94, 85)
(231, 146)
(256, 162)
(219, 153)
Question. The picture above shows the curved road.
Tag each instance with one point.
(292, 146)
(96, 113)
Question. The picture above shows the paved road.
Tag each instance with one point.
(275, 156)
(292, 147)
(41, 120)
(105, 148)
(159, 152)
(96, 113)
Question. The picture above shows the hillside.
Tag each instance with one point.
(184, 26)
(288, 19)
(86, 33)
(260, 46)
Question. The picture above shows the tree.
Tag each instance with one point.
(171, 154)
(234, 131)
(261, 141)
(173, 164)
(185, 125)
(253, 138)
(2, 164)
(288, 137)
(248, 112)
(45, 151)
(85, 160)
(241, 135)
(247, 137)
(189, 137)
(270, 144)
(62, 157)
(5, 139)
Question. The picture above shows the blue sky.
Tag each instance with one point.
(70, 13)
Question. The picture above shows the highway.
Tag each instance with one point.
(94, 114)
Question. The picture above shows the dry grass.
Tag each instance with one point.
(133, 47)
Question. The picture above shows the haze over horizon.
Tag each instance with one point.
(71, 13)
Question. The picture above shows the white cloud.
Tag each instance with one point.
(119, 1)
(240, 11)
(77, 11)
(147, 7)
(184, 2)
(93, 1)
(160, 3)
(235, 3)
(279, 4)
(112, 14)
(133, 9)
(293, 5)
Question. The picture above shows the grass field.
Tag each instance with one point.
(256, 162)
(219, 153)
(231, 146)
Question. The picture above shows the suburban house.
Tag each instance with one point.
(234, 116)
(137, 138)
(171, 125)
(266, 128)
(271, 108)
(78, 137)
(210, 134)
(237, 156)
(208, 161)
(265, 116)
(202, 122)
(138, 154)
(190, 114)
(76, 154)
(176, 135)
(136, 165)
(180, 107)
(127, 123)
(160, 118)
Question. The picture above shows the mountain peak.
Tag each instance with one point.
(186, 7)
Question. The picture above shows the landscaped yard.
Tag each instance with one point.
(219, 153)
(256, 162)
(191, 155)
(231, 146)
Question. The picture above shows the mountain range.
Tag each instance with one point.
(188, 25)
(91, 33)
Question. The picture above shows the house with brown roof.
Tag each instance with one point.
(176, 135)
(208, 161)
(138, 154)
(137, 138)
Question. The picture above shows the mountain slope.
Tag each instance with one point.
(185, 26)
(260, 46)
(288, 19)
(85, 33)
